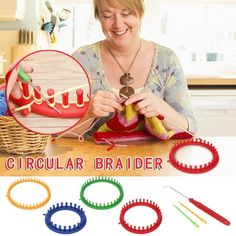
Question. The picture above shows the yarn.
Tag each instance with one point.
(3, 103)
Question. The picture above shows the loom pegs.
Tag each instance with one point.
(37, 95)
(70, 109)
(25, 112)
(80, 93)
(65, 99)
(25, 90)
(50, 93)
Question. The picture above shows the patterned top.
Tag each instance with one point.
(165, 79)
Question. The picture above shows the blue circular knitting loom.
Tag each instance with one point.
(65, 207)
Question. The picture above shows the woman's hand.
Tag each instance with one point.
(151, 105)
(103, 103)
(13, 87)
(147, 104)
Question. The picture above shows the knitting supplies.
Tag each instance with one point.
(63, 229)
(64, 109)
(194, 169)
(204, 208)
(128, 125)
(71, 102)
(186, 216)
(25, 77)
(28, 206)
(104, 205)
(3, 103)
(140, 229)
(15, 139)
(195, 214)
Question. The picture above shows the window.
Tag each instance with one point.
(202, 33)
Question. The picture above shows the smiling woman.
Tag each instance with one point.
(120, 18)
(134, 7)
(128, 71)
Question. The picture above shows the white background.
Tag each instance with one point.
(218, 193)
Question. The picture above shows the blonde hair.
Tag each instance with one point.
(135, 6)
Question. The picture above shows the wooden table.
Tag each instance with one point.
(72, 154)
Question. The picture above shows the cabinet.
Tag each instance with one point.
(215, 110)
(12, 10)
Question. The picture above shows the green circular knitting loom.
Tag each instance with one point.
(101, 206)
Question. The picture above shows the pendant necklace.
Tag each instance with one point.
(126, 79)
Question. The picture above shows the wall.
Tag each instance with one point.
(30, 20)
(34, 9)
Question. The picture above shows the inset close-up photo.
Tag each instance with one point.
(48, 92)
(125, 112)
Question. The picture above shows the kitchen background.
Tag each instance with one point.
(202, 33)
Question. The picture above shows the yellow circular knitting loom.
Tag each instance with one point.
(29, 206)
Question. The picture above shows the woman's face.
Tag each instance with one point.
(119, 25)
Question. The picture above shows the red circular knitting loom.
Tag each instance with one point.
(138, 229)
(194, 169)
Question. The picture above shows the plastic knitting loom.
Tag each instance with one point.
(32, 101)
(101, 206)
(196, 169)
(138, 229)
(28, 206)
(65, 207)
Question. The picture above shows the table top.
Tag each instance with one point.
(69, 157)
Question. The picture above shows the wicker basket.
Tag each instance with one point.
(15, 139)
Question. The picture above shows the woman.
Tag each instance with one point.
(127, 66)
